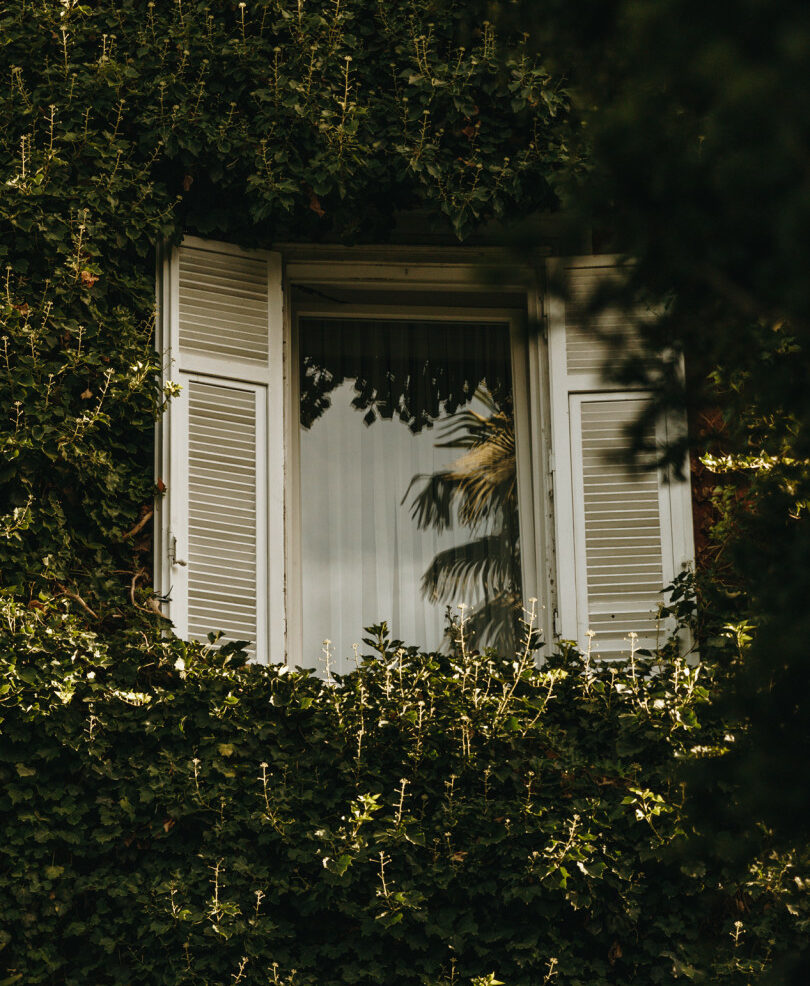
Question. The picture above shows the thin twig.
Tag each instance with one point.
(139, 526)
(77, 598)
(152, 607)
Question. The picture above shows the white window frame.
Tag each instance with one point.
(544, 458)
(516, 324)
(443, 271)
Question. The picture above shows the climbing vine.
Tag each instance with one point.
(172, 816)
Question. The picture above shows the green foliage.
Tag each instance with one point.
(171, 815)
(175, 816)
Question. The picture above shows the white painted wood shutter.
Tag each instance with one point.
(222, 453)
(621, 534)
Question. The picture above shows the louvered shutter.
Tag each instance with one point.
(223, 444)
(622, 534)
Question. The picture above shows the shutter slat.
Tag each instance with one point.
(591, 339)
(587, 352)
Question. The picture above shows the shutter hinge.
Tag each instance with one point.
(555, 622)
(173, 553)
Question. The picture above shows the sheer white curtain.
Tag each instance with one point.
(368, 443)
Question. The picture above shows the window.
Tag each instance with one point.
(379, 438)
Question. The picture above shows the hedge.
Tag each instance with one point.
(173, 815)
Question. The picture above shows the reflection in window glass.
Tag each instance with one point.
(408, 482)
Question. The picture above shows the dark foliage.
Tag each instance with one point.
(173, 816)
(697, 126)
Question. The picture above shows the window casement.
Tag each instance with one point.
(361, 438)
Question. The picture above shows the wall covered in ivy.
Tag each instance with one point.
(170, 815)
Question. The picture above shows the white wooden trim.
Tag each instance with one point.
(219, 246)
(177, 540)
(162, 446)
(483, 276)
(540, 443)
(264, 519)
(175, 432)
(292, 433)
(528, 480)
(423, 313)
(276, 464)
(607, 260)
(580, 559)
(682, 522)
(527, 485)
(680, 492)
(410, 255)
(225, 369)
(562, 468)
(665, 506)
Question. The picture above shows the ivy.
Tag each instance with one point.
(176, 816)
(170, 814)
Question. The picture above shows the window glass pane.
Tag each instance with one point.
(408, 482)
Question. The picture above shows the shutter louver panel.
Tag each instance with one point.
(223, 306)
(224, 497)
(590, 339)
(222, 522)
(621, 527)
(622, 534)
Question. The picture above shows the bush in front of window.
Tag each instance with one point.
(173, 815)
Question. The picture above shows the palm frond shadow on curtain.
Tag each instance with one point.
(479, 492)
